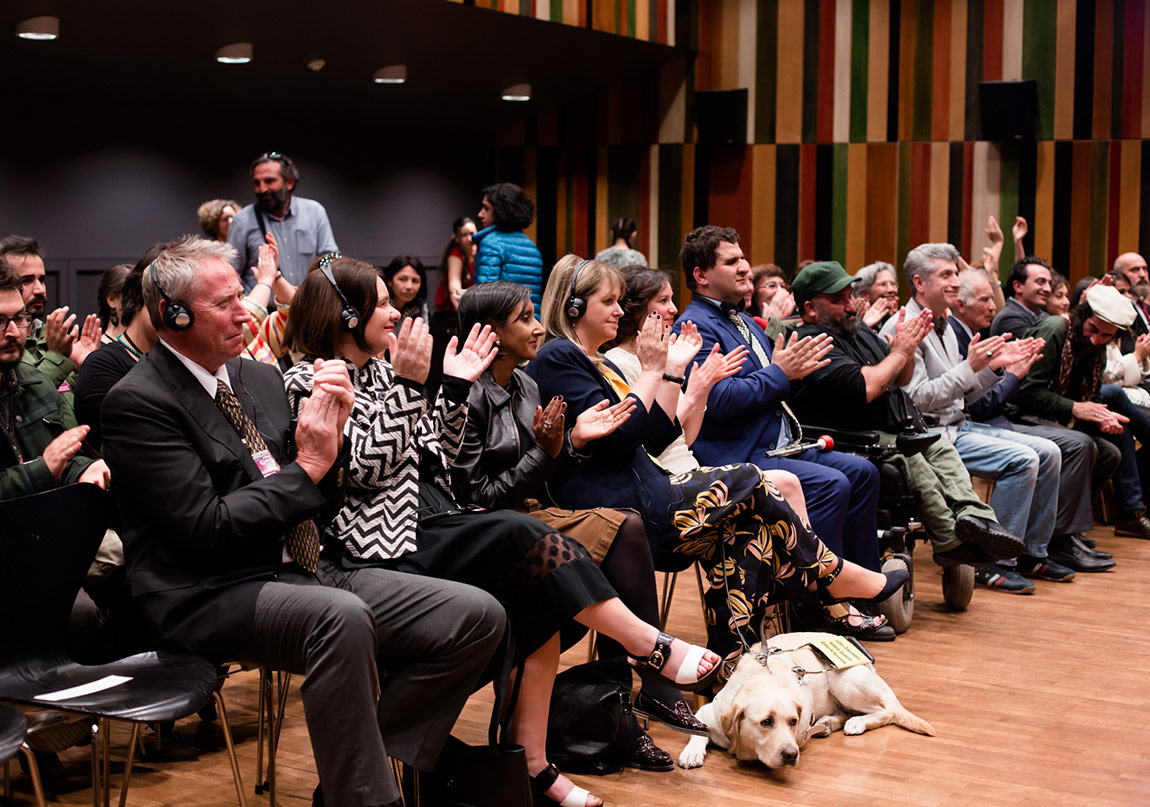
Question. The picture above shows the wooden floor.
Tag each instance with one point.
(1038, 700)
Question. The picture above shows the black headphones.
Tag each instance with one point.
(349, 316)
(177, 315)
(576, 306)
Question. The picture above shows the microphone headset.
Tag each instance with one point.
(349, 316)
(576, 306)
(177, 315)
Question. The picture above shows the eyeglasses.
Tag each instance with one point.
(22, 321)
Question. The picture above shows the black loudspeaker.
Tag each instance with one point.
(1009, 109)
(721, 115)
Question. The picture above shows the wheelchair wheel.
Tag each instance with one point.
(898, 608)
(958, 586)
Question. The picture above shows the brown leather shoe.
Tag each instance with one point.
(1137, 526)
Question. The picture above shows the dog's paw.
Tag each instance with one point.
(856, 725)
(821, 728)
(693, 753)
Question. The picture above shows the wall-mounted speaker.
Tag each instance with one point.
(721, 115)
(1009, 109)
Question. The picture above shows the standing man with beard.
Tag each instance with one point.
(41, 445)
(55, 345)
(1064, 386)
(861, 389)
(299, 226)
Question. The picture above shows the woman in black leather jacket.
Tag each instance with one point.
(513, 448)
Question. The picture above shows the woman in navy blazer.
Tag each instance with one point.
(686, 515)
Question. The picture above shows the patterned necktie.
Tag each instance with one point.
(765, 360)
(302, 539)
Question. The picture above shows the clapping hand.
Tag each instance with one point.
(910, 331)
(714, 369)
(474, 357)
(88, 341)
(600, 420)
(683, 347)
(410, 350)
(652, 344)
(548, 425)
(798, 358)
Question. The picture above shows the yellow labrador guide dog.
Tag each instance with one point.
(768, 711)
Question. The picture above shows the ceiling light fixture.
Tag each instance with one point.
(39, 28)
(316, 64)
(517, 92)
(392, 74)
(236, 53)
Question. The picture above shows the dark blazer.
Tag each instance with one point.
(990, 407)
(620, 473)
(744, 412)
(202, 526)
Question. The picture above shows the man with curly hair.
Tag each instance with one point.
(504, 250)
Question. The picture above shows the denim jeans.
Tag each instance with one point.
(1025, 470)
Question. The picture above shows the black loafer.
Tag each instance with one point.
(1080, 541)
(678, 718)
(988, 536)
(1079, 561)
(646, 756)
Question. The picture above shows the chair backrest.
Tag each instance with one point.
(47, 543)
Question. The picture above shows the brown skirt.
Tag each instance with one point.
(594, 529)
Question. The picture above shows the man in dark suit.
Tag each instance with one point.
(223, 558)
(1027, 288)
(1133, 266)
(748, 415)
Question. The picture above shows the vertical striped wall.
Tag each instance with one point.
(648, 20)
(863, 134)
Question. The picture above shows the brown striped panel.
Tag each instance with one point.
(649, 204)
(881, 204)
(841, 86)
(808, 200)
(531, 185)
(1114, 157)
(956, 125)
(1064, 72)
(1012, 18)
(971, 243)
(562, 204)
(763, 179)
(906, 59)
(1080, 209)
(789, 105)
(825, 109)
(1043, 224)
(1103, 67)
(730, 202)
(992, 13)
(1146, 83)
(921, 194)
(940, 72)
(1130, 191)
(940, 198)
(878, 67)
(1099, 204)
(687, 209)
(985, 193)
(857, 212)
(1133, 56)
(604, 213)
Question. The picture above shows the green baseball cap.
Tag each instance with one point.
(826, 277)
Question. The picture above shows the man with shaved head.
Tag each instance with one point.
(1133, 266)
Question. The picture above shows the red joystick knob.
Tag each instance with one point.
(826, 442)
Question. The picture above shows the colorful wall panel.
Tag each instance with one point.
(648, 20)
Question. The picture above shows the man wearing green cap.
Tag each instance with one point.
(748, 416)
(860, 388)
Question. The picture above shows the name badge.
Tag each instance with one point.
(266, 463)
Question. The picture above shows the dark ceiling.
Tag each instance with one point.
(129, 64)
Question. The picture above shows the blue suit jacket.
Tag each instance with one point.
(744, 412)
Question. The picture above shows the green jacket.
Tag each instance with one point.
(1036, 397)
(40, 414)
(56, 366)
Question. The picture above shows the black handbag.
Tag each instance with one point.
(492, 775)
(591, 727)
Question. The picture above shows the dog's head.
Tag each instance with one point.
(766, 721)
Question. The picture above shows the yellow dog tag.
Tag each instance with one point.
(841, 652)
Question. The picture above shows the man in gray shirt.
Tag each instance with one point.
(300, 226)
(1026, 288)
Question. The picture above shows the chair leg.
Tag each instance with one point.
(33, 772)
(592, 645)
(276, 721)
(261, 727)
(669, 580)
(128, 764)
(227, 728)
(94, 749)
(106, 782)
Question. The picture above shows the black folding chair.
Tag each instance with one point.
(50, 540)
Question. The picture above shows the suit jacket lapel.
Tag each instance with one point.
(203, 409)
(716, 316)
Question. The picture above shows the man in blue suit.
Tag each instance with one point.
(747, 414)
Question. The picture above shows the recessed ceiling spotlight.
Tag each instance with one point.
(517, 92)
(39, 28)
(236, 53)
(392, 74)
(316, 64)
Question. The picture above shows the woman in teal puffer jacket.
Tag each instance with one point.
(504, 251)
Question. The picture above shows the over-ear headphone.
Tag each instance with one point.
(349, 316)
(177, 315)
(576, 306)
